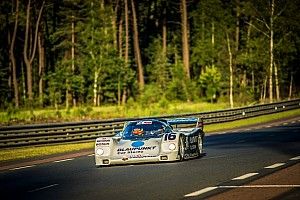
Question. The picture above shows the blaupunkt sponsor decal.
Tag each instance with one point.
(134, 150)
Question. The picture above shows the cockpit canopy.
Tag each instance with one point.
(145, 129)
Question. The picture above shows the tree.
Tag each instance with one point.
(210, 81)
(137, 51)
(13, 59)
(185, 38)
(29, 54)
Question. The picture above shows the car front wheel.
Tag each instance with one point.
(181, 149)
(200, 145)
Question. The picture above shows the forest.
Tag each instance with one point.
(69, 53)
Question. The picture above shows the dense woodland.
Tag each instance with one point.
(63, 53)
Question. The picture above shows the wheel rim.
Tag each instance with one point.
(200, 144)
(181, 149)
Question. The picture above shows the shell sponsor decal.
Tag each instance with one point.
(137, 131)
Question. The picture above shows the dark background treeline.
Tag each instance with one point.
(86, 52)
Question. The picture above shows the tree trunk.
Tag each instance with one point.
(276, 82)
(120, 37)
(202, 25)
(185, 38)
(291, 87)
(265, 89)
(29, 56)
(237, 27)
(114, 26)
(164, 33)
(124, 96)
(253, 79)
(95, 87)
(271, 53)
(212, 40)
(137, 48)
(249, 51)
(231, 72)
(73, 55)
(126, 32)
(41, 50)
(13, 59)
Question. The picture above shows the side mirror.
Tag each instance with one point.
(117, 136)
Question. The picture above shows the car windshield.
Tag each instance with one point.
(143, 129)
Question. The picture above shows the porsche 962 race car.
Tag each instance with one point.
(152, 140)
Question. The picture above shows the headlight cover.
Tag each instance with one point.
(100, 152)
(172, 146)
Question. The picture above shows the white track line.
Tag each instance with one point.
(240, 141)
(214, 157)
(42, 188)
(275, 166)
(244, 176)
(58, 161)
(91, 155)
(208, 189)
(259, 186)
(24, 167)
(199, 192)
(295, 158)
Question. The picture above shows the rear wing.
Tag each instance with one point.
(191, 122)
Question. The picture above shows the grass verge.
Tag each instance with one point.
(33, 152)
(39, 151)
(252, 121)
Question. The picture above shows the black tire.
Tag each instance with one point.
(181, 149)
(200, 145)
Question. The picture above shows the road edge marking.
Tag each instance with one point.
(42, 188)
(245, 176)
(274, 165)
(199, 192)
(23, 167)
(58, 161)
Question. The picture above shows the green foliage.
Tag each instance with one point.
(159, 67)
(99, 71)
(151, 94)
(210, 81)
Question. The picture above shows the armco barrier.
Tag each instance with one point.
(24, 135)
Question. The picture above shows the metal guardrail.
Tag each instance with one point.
(25, 135)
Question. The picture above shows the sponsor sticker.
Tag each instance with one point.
(144, 122)
(138, 144)
(134, 150)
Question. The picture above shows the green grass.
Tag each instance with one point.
(32, 152)
(104, 112)
(251, 121)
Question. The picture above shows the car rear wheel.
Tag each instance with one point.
(181, 149)
(200, 145)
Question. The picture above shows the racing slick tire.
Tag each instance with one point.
(200, 145)
(181, 149)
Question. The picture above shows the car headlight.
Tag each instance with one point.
(100, 152)
(172, 146)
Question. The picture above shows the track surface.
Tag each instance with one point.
(228, 156)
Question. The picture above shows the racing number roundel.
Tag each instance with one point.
(170, 137)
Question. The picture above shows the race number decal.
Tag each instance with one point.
(170, 137)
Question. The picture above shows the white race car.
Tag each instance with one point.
(152, 140)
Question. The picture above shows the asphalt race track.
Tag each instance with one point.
(234, 158)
